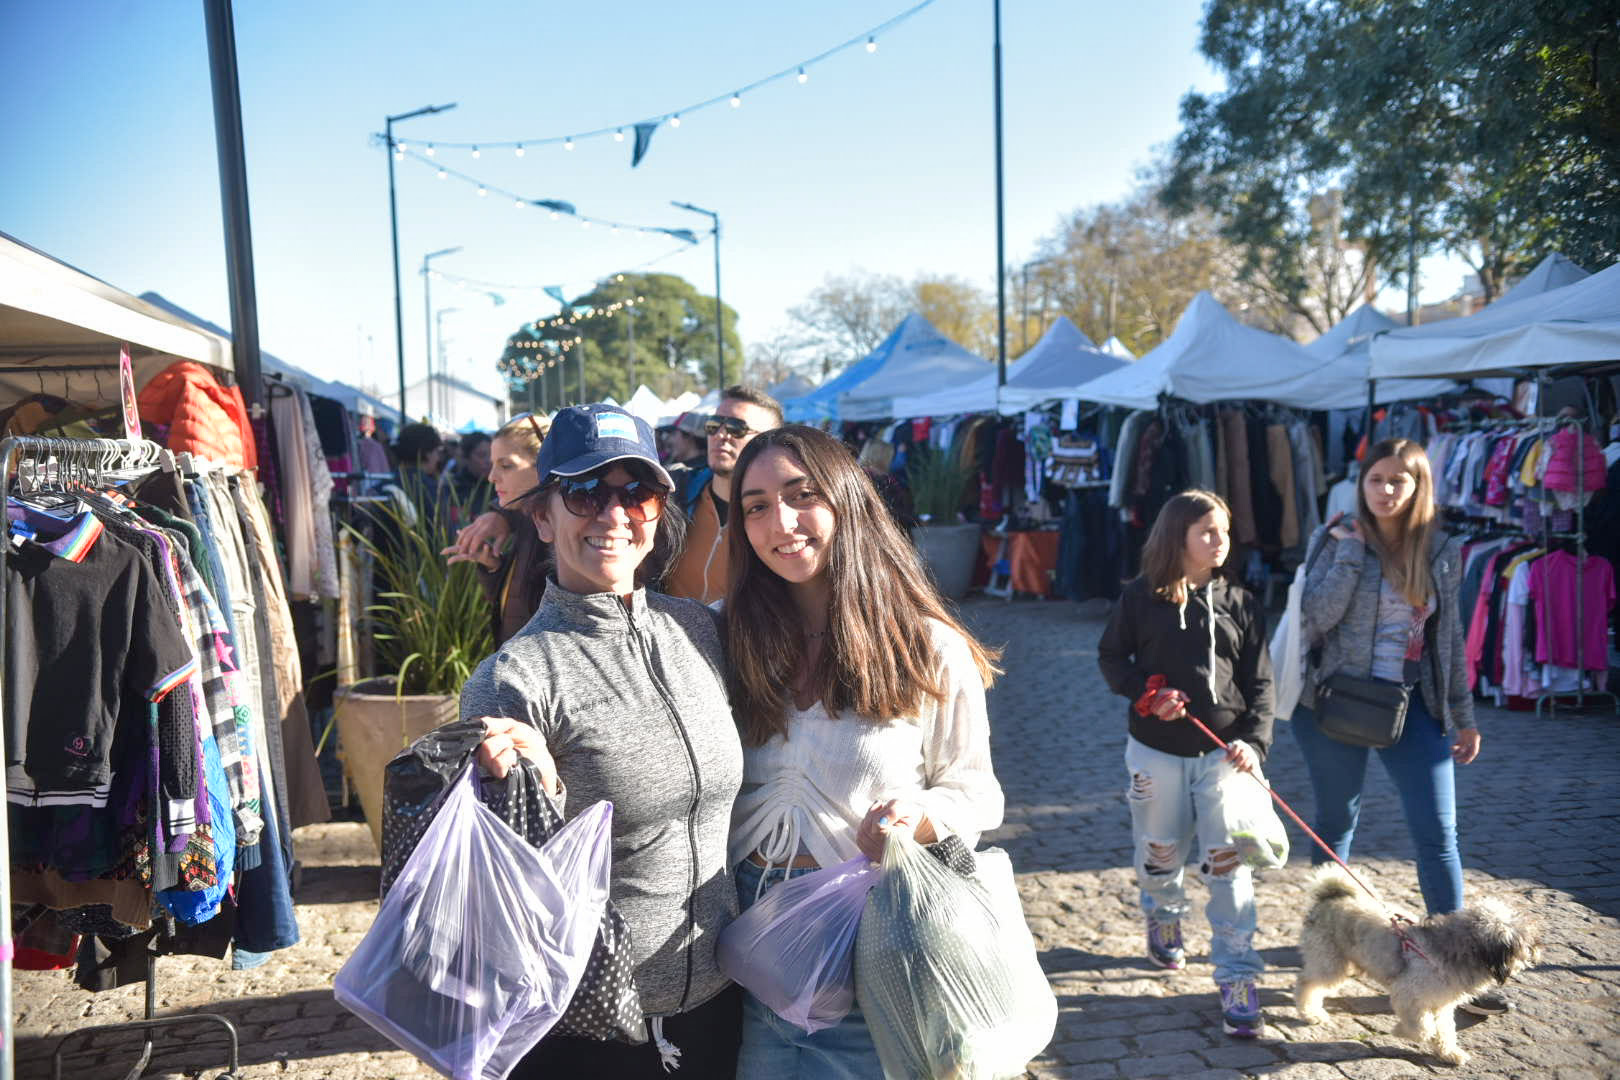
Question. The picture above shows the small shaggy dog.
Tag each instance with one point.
(1462, 953)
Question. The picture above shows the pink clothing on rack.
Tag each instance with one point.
(1553, 586)
(1496, 471)
(1475, 644)
(1562, 466)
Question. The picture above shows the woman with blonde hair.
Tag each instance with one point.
(1184, 640)
(1381, 601)
(860, 698)
(511, 557)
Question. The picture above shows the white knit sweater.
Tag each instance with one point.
(808, 792)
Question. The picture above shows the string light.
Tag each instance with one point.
(443, 175)
(476, 154)
(518, 203)
(482, 191)
(519, 150)
(673, 117)
(569, 145)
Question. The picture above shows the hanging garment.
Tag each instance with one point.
(204, 417)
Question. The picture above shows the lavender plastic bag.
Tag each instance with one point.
(795, 947)
(481, 942)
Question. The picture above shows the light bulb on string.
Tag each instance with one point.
(675, 121)
(618, 277)
(736, 101)
(584, 223)
(804, 76)
(518, 203)
(476, 154)
(568, 144)
(871, 44)
(481, 191)
(555, 215)
(518, 150)
(430, 150)
(618, 136)
(443, 175)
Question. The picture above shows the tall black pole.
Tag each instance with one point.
(393, 232)
(1001, 226)
(579, 366)
(233, 197)
(630, 348)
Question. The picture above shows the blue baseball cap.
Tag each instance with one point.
(586, 437)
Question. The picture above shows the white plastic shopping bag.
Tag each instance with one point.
(482, 940)
(945, 969)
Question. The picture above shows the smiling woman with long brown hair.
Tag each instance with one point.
(859, 695)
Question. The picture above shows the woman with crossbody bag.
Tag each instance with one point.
(1388, 671)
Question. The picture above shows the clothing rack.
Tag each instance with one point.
(89, 459)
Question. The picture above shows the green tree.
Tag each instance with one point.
(630, 329)
(1488, 130)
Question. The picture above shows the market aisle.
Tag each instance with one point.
(1536, 811)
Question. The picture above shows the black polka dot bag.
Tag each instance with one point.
(607, 1004)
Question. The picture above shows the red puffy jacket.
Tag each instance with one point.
(204, 417)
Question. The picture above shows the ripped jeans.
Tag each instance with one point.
(1175, 800)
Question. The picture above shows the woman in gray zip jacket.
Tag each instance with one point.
(619, 693)
(1385, 590)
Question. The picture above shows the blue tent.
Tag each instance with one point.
(915, 354)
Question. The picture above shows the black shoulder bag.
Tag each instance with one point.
(1362, 711)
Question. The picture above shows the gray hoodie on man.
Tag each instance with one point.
(631, 698)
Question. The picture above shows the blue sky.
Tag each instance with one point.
(881, 161)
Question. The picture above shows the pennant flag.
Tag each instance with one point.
(644, 134)
(556, 293)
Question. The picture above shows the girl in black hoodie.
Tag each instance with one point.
(1183, 640)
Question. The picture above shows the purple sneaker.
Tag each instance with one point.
(1240, 1008)
(1164, 944)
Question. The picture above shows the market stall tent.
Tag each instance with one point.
(980, 395)
(1117, 348)
(645, 404)
(915, 354)
(1575, 324)
(1340, 382)
(1055, 369)
(1210, 356)
(791, 387)
(60, 331)
(1553, 272)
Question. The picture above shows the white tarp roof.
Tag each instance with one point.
(791, 387)
(53, 315)
(645, 404)
(915, 354)
(1553, 272)
(1575, 324)
(1209, 357)
(1340, 382)
(1059, 364)
(1117, 348)
(1056, 346)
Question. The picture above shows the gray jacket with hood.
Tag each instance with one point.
(632, 701)
(1339, 612)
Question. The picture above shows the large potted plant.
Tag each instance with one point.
(432, 625)
(947, 545)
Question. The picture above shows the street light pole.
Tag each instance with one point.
(393, 231)
(444, 369)
(719, 308)
(427, 311)
(1001, 226)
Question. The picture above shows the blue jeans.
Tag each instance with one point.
(1420, 766)
(772, 1048)
(1174, 800)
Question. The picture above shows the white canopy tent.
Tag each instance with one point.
(1341, 380)
(791, 387)
(1060, 363)
(1553, 272)
(645, 404)
(1210, 356)
(60, 331)
(1575, 324)
(915, 354)
(980, 394)
(1116, 347)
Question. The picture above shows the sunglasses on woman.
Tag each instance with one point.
(586, 498)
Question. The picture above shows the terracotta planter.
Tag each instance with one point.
(948, 551)
(373, 725)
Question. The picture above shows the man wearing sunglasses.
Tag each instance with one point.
(705, 494)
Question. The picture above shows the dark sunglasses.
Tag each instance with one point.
(729, 424)
(642, 501)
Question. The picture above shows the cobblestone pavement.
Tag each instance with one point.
(1538, 816)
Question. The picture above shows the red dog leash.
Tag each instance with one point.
(1144, 707)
